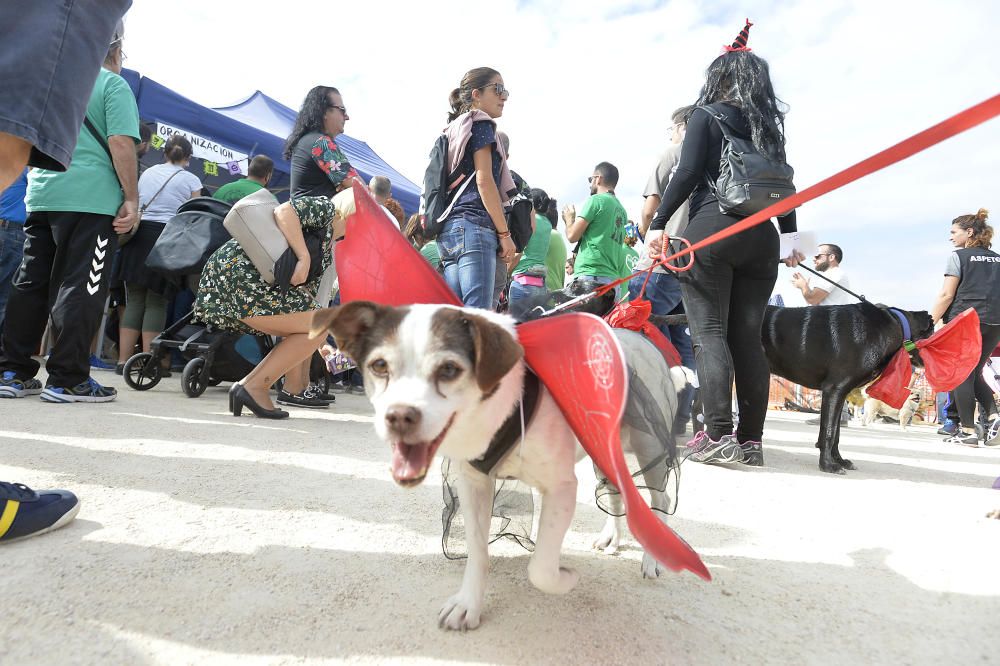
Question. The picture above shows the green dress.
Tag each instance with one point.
(231, 287)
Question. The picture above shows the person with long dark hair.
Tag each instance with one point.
(475, 229)
(319, 167)
(972, 280)
(726, 290)
(528, 277)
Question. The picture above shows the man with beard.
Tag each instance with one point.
(600, 229)
(827, 262)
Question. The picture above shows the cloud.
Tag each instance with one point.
(596, 81)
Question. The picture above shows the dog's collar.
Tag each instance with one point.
(510, 431)
(903, 322)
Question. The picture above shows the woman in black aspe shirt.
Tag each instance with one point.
(727, 289)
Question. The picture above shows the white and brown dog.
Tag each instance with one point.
(875, 408)
(446, 379)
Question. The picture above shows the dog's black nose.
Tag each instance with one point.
(402, 419)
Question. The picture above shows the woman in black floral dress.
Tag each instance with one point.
(233, 295)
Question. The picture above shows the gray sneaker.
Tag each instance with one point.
(12, 387)
(726, 450)
(992, 437)
(753, 454)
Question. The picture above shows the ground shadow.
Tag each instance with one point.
(319, 603)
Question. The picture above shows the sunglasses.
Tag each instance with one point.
(499, 88)
(590, 179)
(343, 109)
(825, 254)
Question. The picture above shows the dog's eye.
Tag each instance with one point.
(448, 371)
(379, 367)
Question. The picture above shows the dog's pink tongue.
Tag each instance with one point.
(409, 462)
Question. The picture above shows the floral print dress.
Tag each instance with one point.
(231, 287)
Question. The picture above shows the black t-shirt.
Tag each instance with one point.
(699, 163)
(979, 285)
(306, 178)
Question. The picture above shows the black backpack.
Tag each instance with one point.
(439, 186)
(748, 181)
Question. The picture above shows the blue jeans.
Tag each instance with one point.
(11, 252)
(664, 293)
(519, 291)
(469, 258)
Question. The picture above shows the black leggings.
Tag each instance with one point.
(975, 389)
(725, 294)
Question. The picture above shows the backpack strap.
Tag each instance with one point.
(727, 135)
(100, 139)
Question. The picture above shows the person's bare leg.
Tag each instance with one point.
(285, 357)
(295, 348)
(147, 339)
(297, 379)
(14, 154)
(127, 337)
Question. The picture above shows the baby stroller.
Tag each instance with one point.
(213, 356)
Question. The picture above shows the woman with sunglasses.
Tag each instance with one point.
(727, 288)
(319, 167)
(475, 231)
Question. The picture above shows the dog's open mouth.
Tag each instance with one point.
(411, 461)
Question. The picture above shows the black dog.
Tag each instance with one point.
(834, 348)
(534, 307)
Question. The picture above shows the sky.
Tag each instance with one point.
(595, 81)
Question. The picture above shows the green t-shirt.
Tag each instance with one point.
(237, 189)
(537, 247)
(555, 262)
(431, 253)
(630, 259)
(600, 253)
(90, 185)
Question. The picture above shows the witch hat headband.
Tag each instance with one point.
(740, 43)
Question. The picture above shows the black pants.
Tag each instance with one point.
(65, 273)
(725, 294)
(975, 389)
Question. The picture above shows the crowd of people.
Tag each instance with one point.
(84, 221)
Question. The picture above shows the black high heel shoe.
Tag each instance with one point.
(239, 398)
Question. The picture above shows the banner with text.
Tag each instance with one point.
(207, 149)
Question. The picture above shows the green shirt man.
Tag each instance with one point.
(258, 174)
(601, 241)
(236, 190)
(91, 184)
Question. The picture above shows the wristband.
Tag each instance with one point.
(503, 234)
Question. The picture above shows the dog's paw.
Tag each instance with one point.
(609, 539)
(847, 464)
(561, 582)
(650, 567)
(459, 614)
(830, 467)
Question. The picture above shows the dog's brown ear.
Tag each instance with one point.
(497, 350)
(349, 324)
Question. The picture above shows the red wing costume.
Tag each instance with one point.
(949, 357)
(586, 378)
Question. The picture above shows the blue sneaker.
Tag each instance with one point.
(949, 429)
(88, 391)
(97, 363)
(12, 387)
(25, 512)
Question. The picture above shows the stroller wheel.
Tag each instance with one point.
(141, 372)
(194, 381)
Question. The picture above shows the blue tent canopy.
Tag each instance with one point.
(258, 125)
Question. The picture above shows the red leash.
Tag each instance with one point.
(957, 124)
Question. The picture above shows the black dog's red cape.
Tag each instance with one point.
(576, 355)
(949, 356)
